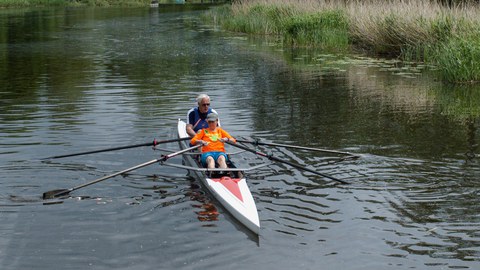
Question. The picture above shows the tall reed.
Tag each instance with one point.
(459, 59)
(327, 29)
(28, 3)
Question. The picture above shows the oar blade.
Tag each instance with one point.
(55, 193)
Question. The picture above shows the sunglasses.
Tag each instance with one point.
(206, 104)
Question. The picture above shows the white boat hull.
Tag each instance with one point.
(232, 193)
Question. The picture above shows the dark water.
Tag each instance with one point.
(74, 80)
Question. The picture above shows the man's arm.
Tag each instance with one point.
(190, 130)
(190, 119)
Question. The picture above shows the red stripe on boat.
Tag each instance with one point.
(231, 184)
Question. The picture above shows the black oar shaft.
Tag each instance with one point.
(164, 158)
(256, 142)
(101, 150)
(117, 148)
(295, 165)
(56, 193)
(117, 173)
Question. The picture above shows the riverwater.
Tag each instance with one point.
(79, 79)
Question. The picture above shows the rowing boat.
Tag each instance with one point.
(229, 188)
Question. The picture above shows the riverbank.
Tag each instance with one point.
(98, 3)
(414, 30)
(103, 3)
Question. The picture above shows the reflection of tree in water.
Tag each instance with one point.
(461, 103)
(471, 142)
(207, 210)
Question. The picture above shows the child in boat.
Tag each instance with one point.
(213, 139)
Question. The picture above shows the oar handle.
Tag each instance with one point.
(295, 165)
(165, 157)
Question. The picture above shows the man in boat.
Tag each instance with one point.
(196, 117)
(213, 139)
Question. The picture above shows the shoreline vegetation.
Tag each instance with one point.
(96, 3)
(445, 36)
(72, 3)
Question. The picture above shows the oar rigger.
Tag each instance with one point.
(295, 165)
(60, 192)
(257, 142)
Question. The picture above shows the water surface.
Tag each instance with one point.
(75, 80)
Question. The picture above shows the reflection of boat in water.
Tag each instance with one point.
(204, 208)
(228, 186)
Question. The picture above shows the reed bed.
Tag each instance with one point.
(102, 3)
(447, 37)
(27, 3)
(421, 30)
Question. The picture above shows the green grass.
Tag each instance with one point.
(104, 3)
(459, 59)
(258, 19)
(327, 29)
(27, 3)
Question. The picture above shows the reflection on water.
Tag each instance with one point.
(75, 80)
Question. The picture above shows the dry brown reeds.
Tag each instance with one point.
(389, 26)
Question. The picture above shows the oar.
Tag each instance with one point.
(155, 142)
(256, 142)
(295, 165)
(60, 192)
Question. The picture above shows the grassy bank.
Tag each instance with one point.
(98, 3)
(411, 30)
(103, 3)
